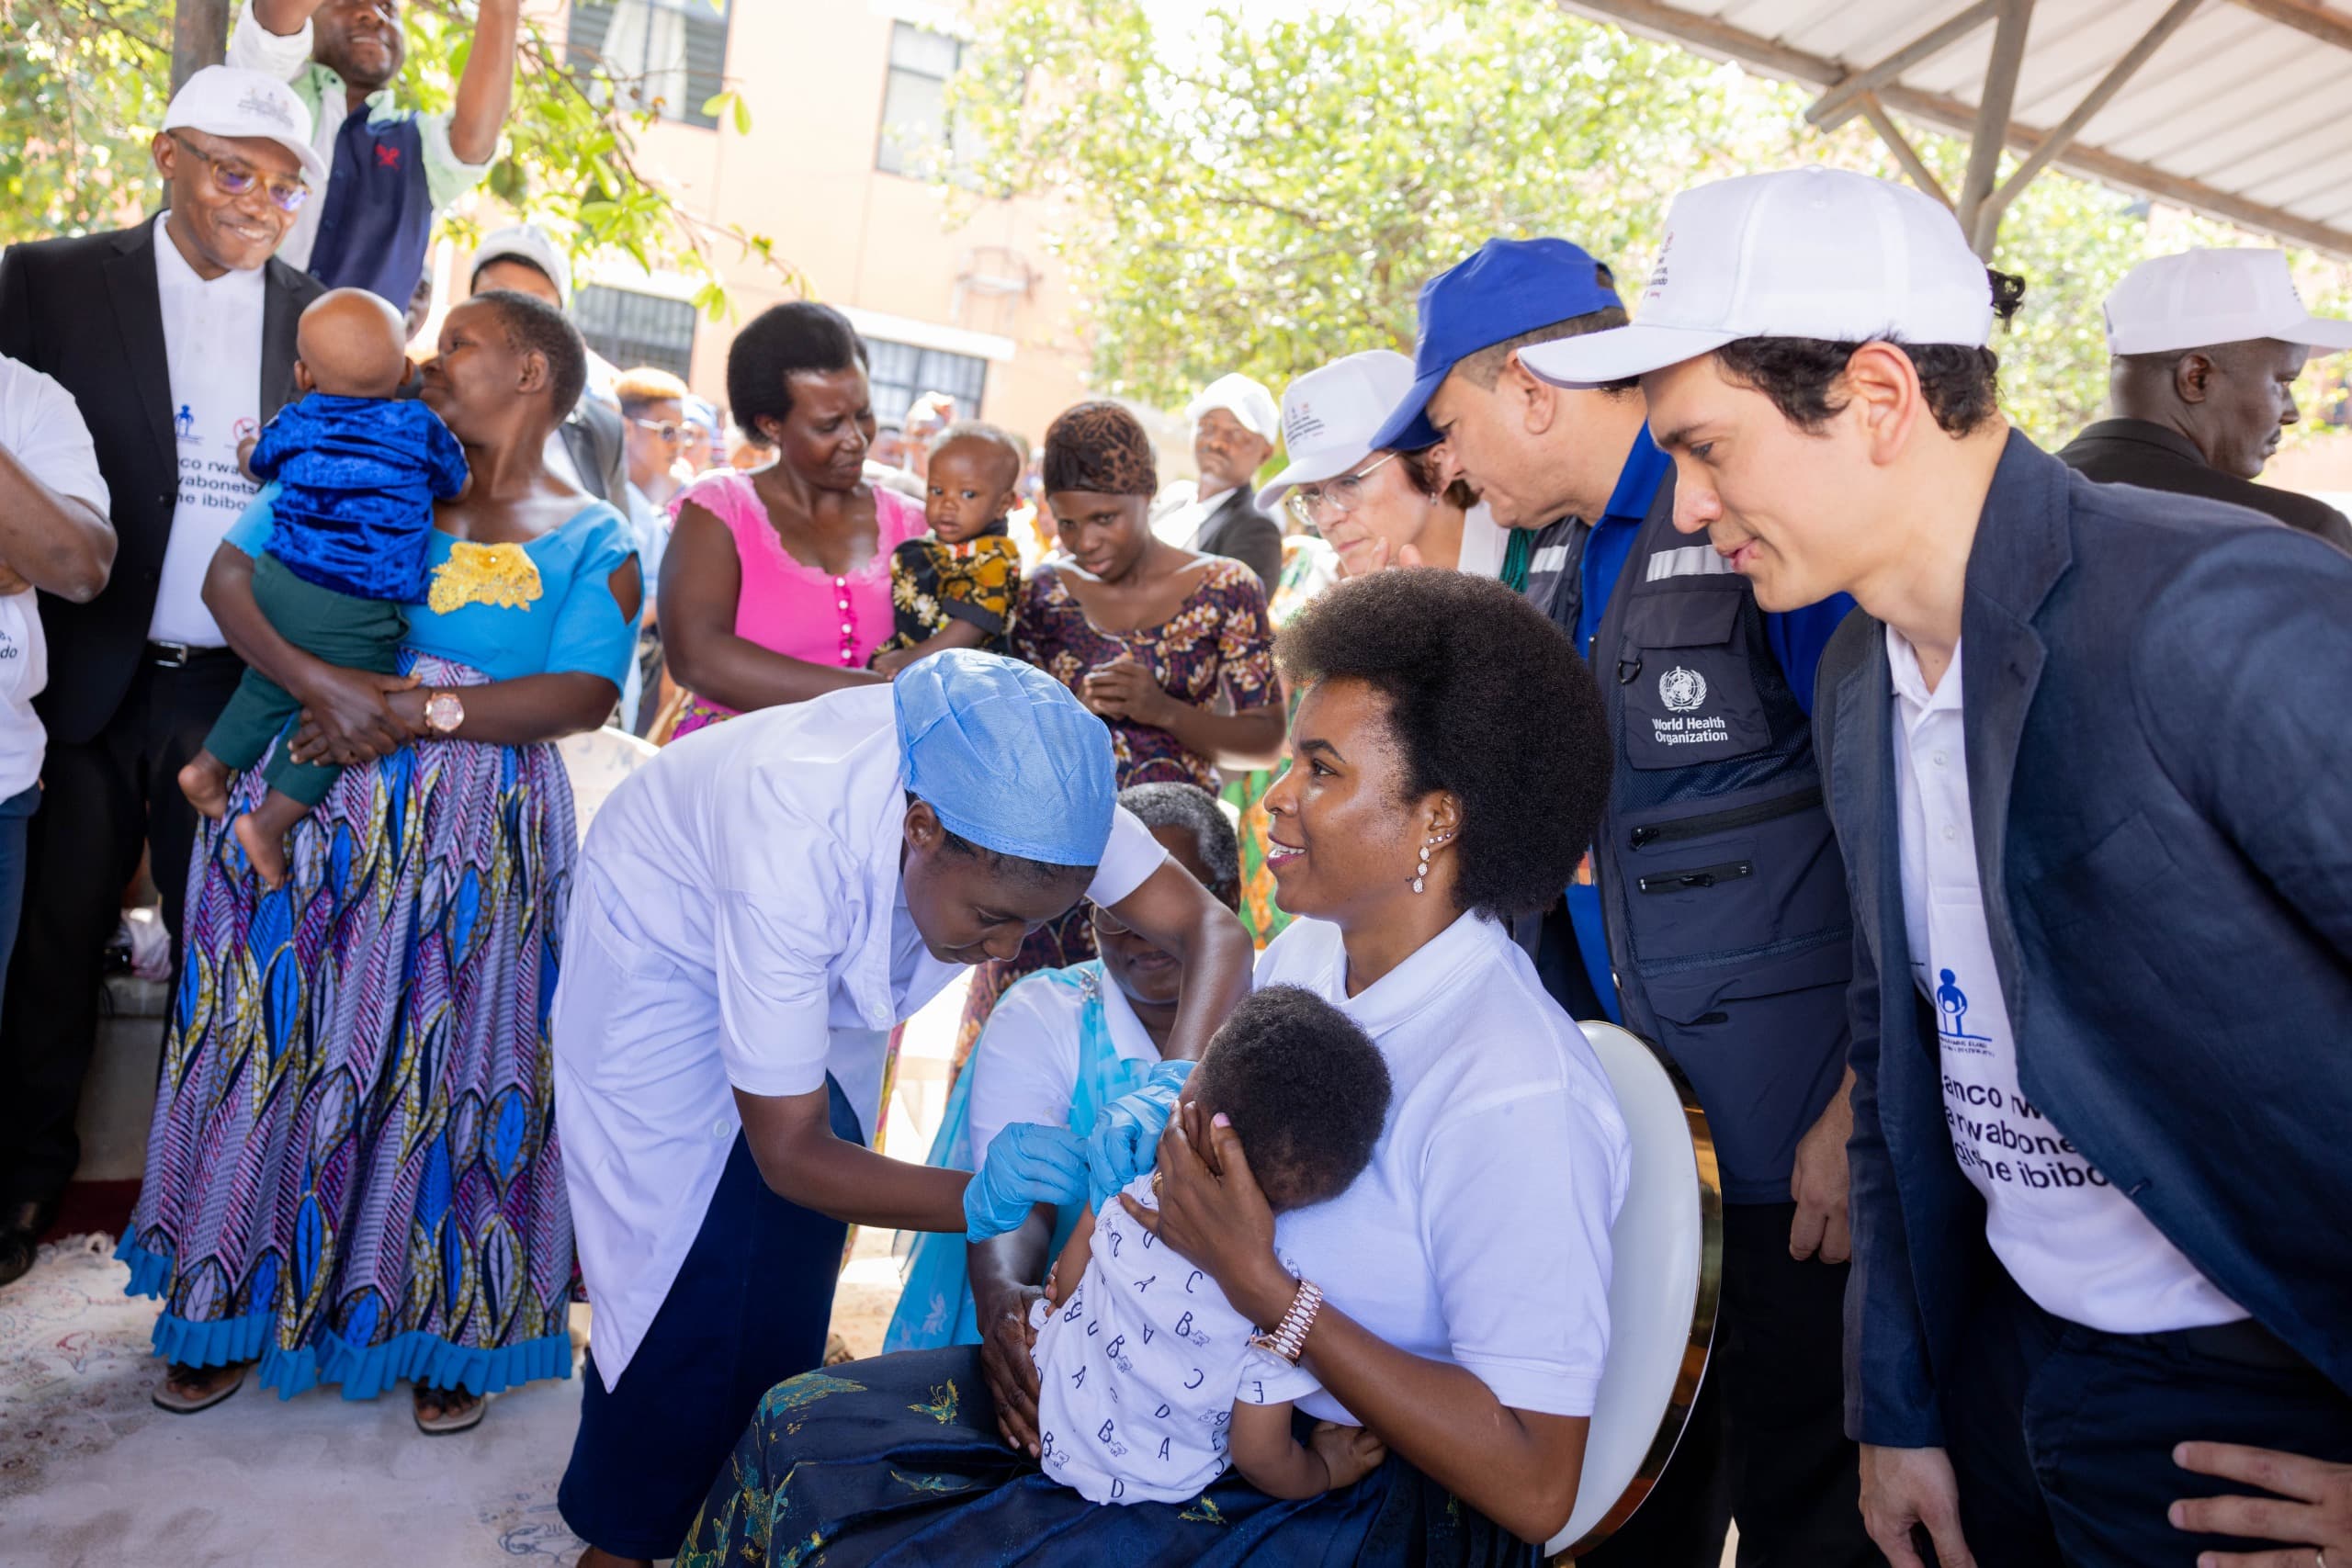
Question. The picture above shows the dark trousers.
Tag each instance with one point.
(2061, 1436)
(1767, 1443)
(102, 802)
(748, 1309)
(347, 632)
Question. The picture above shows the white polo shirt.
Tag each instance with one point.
(1479, 1234)
(42, 426)
(2080, 1248)
(737, 922)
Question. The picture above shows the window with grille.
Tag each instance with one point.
(916, 134)
(899, 373)
(632, 329)
(666, 55)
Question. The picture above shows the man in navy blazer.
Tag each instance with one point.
(2087, 763)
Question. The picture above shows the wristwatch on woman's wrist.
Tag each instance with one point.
(1288, 1337)
(444, 712)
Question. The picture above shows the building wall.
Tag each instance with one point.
(812, 73)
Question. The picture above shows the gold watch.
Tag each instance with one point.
(444, 713)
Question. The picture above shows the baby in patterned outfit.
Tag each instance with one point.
(1149, 1383)
(955, 586)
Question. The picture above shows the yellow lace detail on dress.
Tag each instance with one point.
(502, 576)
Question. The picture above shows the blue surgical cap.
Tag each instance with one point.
(1006, 756)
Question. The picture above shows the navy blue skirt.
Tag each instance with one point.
(749, 1308)
(896, 1461)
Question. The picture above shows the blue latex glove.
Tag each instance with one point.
(1025, 1165)
(1119, 1149)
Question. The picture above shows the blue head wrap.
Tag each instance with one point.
(1006, 756)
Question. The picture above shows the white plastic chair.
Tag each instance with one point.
(1666, 1279)
(598, 760)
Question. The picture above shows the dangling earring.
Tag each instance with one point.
(1422, 871)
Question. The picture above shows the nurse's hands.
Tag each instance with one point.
(1213, 1212)
(1027, 1165)
(1118, 1149)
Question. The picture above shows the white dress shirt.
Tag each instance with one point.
(737, 922)
(212, 354)
(41, 427)
(1479, 1236)
(2081, 1250)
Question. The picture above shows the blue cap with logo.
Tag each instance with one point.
(1508, 287)
(1008, 758)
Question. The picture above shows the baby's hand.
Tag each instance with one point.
(1350, 1453)
(246, 456)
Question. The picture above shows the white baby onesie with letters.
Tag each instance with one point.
(1140, 1367)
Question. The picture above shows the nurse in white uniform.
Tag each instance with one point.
(752, 913)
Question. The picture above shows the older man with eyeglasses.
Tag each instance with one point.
(175, 337)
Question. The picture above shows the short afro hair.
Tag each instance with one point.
(1306, 1089)
(1486, 699)
(534, 326)
(795, 338)
(1171, 803)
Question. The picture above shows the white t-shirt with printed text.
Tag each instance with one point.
(41, 427)
(1140, 1367)
(2080, 1248)
(212, 351)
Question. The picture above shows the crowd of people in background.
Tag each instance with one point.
(1724, 666)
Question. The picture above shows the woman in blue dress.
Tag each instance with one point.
(353, 1175)
(1062, 1044)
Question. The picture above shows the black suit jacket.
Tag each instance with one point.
(2140, 452)
(1236, 529)
(86, 312)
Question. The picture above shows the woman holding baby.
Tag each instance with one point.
(352, 1177)
(1451, 1300)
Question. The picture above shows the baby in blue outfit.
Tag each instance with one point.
(357, 474)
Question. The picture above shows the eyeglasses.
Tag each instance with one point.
(232, 178)
(661, 429)
(1106, 922)
(1340, 496)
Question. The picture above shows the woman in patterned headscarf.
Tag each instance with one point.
(1147, 634)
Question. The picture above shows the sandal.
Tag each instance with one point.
(445, 1420)
(167, 1398)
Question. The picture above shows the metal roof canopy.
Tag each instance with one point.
(2233, 109)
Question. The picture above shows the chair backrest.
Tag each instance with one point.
(597, 760)
(1665, 1278)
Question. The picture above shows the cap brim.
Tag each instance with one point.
(1308, 471)
(1406, 428)
(2326, 334)
(1619, 354)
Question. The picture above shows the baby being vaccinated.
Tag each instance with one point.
(1150, 1381)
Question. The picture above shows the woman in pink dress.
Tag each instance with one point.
(776, 585)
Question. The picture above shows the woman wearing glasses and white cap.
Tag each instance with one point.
(754, 912)
(1376, 508)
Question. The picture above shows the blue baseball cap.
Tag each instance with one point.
(1509, 286)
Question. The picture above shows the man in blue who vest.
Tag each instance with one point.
(1719, 902)
(389, 169)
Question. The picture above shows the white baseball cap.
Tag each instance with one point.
(2198, 298)
(1330, 417)
(221, 100)
(1243, 398)
(530, 244)
(1804, 253)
